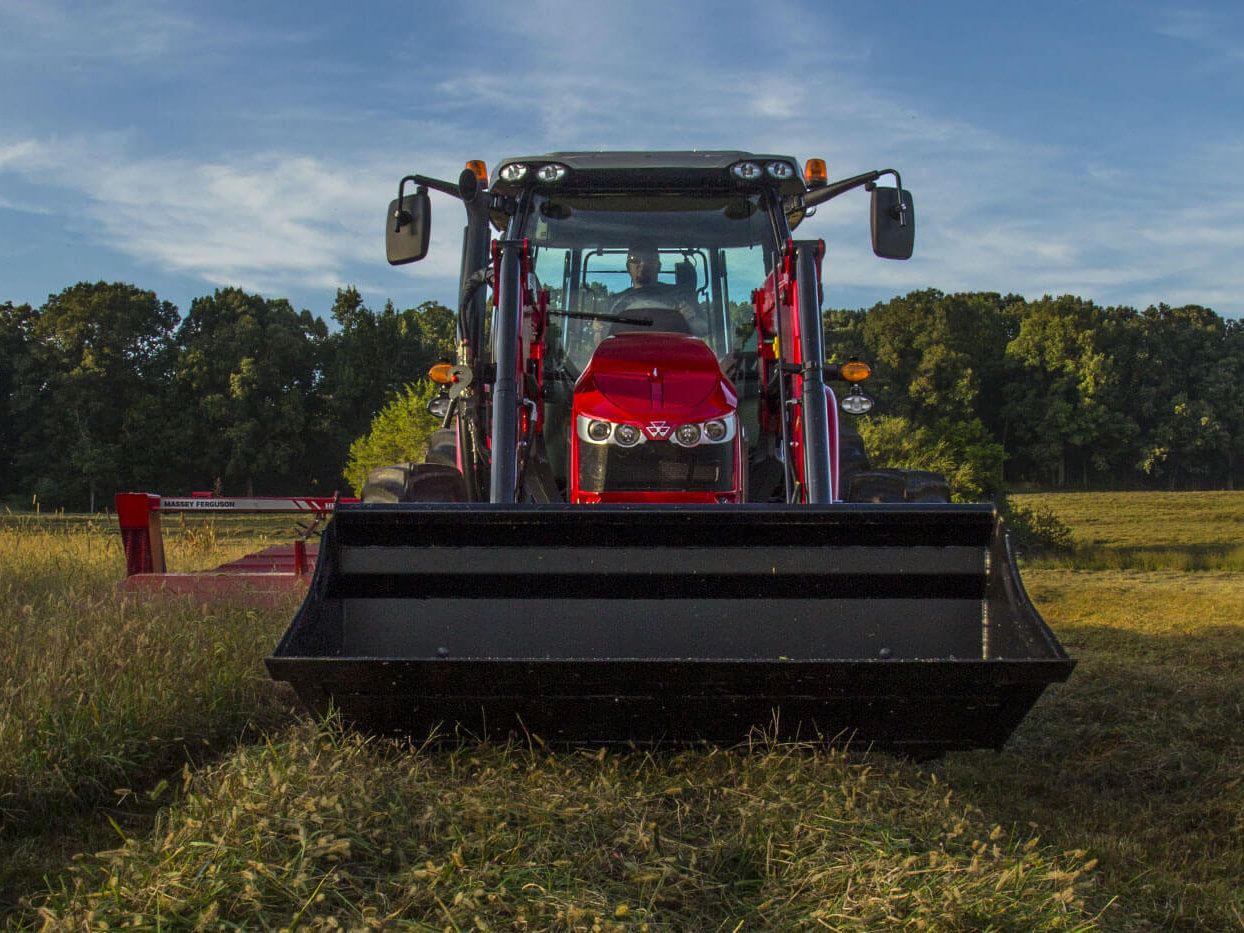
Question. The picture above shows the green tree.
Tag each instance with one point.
(398, 433)
(104, 351)
(249, 370)
(1188, 396)
(934, 354)
(1064, 399)
(962, 451)
(372, 356)
(19, 387)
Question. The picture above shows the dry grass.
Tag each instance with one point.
(99, 693)
(325, 830)
(1134, 769)
(1139, 758)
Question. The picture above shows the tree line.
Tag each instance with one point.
(1058, 392)
(105, 387)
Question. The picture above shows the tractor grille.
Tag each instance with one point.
(657, 466)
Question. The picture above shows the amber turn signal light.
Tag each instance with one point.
(814, 173)
(442, 374)
(855, 371)
(477, 168)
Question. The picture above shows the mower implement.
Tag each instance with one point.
(660, 529)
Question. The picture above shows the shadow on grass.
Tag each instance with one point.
(40, 834)
(1138, 758)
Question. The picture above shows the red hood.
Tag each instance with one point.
(643, 374)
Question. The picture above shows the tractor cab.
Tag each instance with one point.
(649, 328)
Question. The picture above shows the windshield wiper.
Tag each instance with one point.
(588, 316)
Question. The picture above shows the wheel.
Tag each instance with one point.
(898, 486)
(852, 459)
(876, 486)
(923, 486)
(414, 482)
(443, 447)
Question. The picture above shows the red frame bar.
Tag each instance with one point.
(138, 514)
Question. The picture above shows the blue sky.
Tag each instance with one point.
(1085, 148)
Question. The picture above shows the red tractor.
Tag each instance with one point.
(640, 519)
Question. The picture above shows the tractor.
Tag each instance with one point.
(645, 517)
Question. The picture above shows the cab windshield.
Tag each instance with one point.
(655, 262)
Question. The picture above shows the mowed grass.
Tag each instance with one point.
(1147, 530)
(1119, 803)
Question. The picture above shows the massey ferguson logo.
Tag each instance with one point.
(658, 429)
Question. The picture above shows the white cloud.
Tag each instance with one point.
(126, 34)
(266, 221)
(1203, 28)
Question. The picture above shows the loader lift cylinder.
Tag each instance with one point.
(506, 342)
(814, 402)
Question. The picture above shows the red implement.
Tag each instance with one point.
(265, 578)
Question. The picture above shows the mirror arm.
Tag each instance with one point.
(444, 187)
(868, 180)
(899, 213)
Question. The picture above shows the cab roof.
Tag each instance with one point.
(648, 170)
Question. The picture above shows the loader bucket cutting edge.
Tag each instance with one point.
(906, 626)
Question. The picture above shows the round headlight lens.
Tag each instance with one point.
(715, 431)
(599, 431)
(688, 435)
(857, 403)
(747, 171)
(780, 170)
(513, 172)
(627, 435)
(551, 172)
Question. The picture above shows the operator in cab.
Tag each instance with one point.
(648, 298)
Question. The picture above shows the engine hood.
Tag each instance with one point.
(634, 376)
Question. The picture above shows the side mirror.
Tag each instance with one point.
(408, 228)
(893, 223)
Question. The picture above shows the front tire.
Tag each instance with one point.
(898, 486)
(414, 482)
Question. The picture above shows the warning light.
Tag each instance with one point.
(855, 371)
(814, 173)
(442, 374)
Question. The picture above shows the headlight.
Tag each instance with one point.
(716, 431)
(747, 171)
(692, 434)
(688, 435)
(551, 172)
(513, 172)
(856, 403)
(627, 435)
(780, 170)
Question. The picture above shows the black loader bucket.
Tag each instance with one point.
(900, 625)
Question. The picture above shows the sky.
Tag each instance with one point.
(1090, 148)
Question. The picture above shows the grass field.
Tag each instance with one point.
(151, 775)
